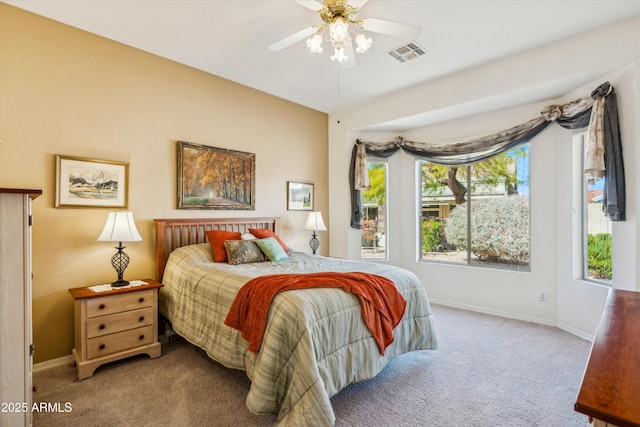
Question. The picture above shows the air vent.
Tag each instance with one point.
(407, 52)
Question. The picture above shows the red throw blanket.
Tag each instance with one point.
(382, 305)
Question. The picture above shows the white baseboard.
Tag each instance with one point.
(53, 363)
(498, 313)
(582, 334)
(559, 325)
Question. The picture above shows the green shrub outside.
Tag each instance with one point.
(599, 255)
(432, 235)
(499, 229)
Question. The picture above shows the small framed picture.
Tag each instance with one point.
(299, 196)
(82, 182)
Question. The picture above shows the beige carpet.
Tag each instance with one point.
(488, 371)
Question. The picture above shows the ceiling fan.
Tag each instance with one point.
(341, 27)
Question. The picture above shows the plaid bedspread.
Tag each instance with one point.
(315, 343)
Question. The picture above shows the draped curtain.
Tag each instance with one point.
(603, 157)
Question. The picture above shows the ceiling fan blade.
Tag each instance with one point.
(350, 62)
(311, 5)
(288, 41)
(391, 28)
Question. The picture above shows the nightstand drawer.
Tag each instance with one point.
(118, 303)
(113, 343)
(112, 323)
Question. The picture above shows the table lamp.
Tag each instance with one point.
(120, 228)
(315, 223)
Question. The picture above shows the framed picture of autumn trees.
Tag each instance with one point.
(215, 178)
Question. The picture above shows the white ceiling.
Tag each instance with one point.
(231, 38)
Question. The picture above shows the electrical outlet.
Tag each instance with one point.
(543, 297)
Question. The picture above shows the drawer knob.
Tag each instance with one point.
(141, 318)
(141, 299)
(102, 306)
(102, 326)
(141, 337)
(102, 346)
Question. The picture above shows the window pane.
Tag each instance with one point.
(438, 202)
(500, 209)
(374, 216)
(498, 189)
(598, 231)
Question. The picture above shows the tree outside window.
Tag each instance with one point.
(494, 194)
(374, 209)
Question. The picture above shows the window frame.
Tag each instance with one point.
(581, 189)
(469, 261)
(385, 208)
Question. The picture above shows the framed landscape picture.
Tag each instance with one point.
(82, 182)
(215, 178)
(299, 196)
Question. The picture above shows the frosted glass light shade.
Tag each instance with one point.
(363, 42)
(315, 43)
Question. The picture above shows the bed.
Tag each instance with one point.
(315, 342)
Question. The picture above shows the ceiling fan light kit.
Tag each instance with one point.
(363, 42)
(338, 52)
(338, 16)
(342, 28)
(315, 43)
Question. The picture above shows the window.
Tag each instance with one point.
(374, 213)
(596, 226)
(494, 193)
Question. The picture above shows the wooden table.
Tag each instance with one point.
(610, 390)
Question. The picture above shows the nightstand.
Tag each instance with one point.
(114, 324)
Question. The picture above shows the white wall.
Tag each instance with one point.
(580, 302)
(465, 105)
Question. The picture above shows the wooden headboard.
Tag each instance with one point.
(174, 233)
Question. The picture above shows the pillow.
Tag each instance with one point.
(243, 251)
(263, 233)
(272, 249)
(217, 239)
(248, 236)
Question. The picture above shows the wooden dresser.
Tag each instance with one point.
(16, 344)
(610, 390)
(114, 324)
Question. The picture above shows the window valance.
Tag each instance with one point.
(603, 157)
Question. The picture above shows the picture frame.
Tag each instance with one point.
(299, 196)
(92, 183)
(215, 178)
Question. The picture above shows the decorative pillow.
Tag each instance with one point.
(263, 233)
(217, 239)
(248, 236)
(243, 251)
(272, 249)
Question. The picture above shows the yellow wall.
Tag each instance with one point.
(65, 91)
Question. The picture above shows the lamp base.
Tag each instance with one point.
(314, 243)
(119, 283)
(120, 261)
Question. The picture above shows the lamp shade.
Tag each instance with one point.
(315, 222)
(120, 227)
